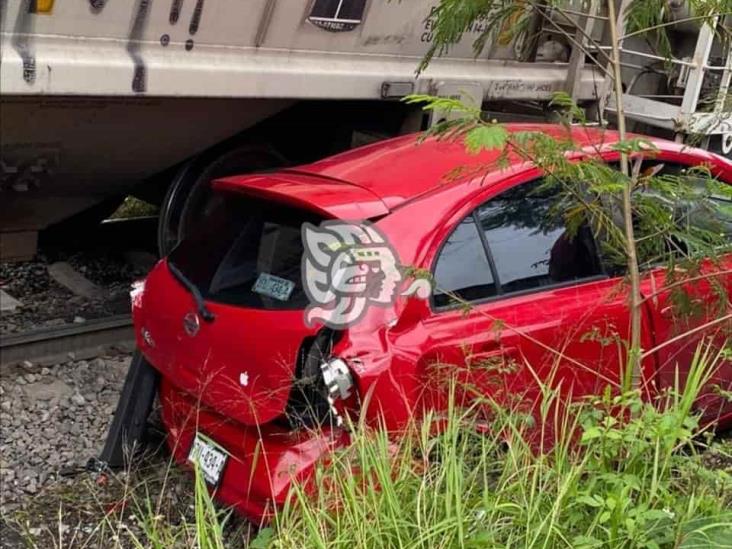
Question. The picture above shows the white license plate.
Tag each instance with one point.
(210, 457)
(274, 286)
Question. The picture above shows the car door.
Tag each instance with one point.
(691, 308)
(519, 302)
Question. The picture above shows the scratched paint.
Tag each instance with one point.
(175, 8)
(23, 39)
(196, 17)
(139, 78)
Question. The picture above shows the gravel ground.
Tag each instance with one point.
(45, 303)
(52, 420)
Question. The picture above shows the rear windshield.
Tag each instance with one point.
(246, 251)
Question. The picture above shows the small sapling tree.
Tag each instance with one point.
(642, 213)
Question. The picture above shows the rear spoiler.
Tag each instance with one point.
(330, 198)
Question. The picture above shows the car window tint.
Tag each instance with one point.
(531, 248)
(707, 211)
(246, 251)
(715, 215)
(462, 267)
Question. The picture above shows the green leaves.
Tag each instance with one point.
(486, 20)
(586, 542)
(635, 145)
(476, 481)
(263, 540)
(650, 18)
(477, 134)
(592, 501)
(591, 433)
(486, 137)
(572, 112)
(446, 105)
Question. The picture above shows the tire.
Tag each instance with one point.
(190, 189)
(308, 406)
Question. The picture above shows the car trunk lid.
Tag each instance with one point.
(245, 260)
(241, 365)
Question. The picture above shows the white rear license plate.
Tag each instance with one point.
(211, 458)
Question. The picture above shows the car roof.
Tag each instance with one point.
(371, 181)
(401, 169)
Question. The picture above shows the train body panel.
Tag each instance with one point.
(100, 97)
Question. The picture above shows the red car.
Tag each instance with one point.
(252, 354)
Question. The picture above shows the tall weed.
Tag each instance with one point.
(622, 472)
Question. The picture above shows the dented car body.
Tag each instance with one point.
(256, 391)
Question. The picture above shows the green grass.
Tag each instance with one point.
(153, 504)
(607, 482)
(622, 473)
(134, 207)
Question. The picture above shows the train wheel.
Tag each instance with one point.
(190, 189)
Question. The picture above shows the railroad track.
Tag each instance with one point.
(55, 344)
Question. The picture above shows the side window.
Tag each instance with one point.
(531, 248)
(523, 247)
(462, 267)
(715, 215)
(695, 213)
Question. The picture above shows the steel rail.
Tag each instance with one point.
(61, 343)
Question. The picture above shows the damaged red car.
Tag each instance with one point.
(290, 303)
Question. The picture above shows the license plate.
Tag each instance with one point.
(274, 286)
(209, 456)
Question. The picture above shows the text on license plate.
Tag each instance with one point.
(210, 457)
(273, 286)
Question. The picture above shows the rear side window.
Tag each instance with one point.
(516, 246)
(462, 268)
(246, 252)
(530, 246)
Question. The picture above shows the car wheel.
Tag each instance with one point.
(190, 190)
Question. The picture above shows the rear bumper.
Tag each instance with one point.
(264, 461)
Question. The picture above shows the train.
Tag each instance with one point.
(102, 99)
